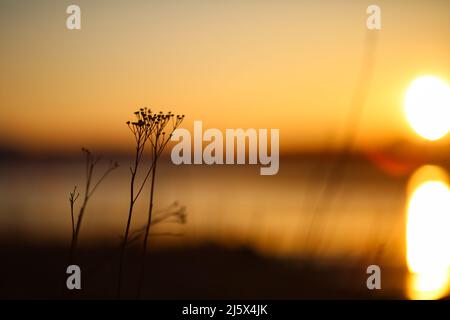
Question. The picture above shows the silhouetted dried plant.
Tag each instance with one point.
(141, 131)
(90, 188)
(156, 128)
(159, 138)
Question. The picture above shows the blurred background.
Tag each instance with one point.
(358, 144)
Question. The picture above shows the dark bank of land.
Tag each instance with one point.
(197, 272)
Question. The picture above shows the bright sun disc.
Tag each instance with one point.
(427, 107)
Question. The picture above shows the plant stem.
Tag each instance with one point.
(130, 214)
(73, 221)
(149, 221)
(74, 244)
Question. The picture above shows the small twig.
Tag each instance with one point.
(72, 199)
(91, 162)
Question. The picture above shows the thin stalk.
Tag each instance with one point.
(72, 199)
(88, 192)
(74, 244)
(130, 214)
(149, 221)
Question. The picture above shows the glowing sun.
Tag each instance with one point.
(427, 107)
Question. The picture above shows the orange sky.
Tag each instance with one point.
(291, 65)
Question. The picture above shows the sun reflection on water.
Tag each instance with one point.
(427, 233)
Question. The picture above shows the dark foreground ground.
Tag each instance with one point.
(202, 272)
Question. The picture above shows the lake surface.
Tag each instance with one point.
(299, 212)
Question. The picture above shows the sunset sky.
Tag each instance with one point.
(291, 65)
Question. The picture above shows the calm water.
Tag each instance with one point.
(283, 215)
